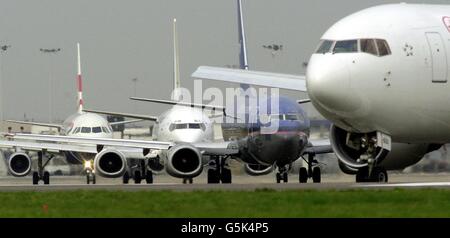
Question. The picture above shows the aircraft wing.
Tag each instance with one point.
(125, 122)
(187, 104)
(218, 148)
(51, 147)
(273, 80)
(321, 146)
(98, 142)
(36, 123)
(137, 116)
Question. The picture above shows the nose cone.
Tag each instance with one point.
(328, 84)
(281, 148)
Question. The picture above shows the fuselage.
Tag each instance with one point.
(183, 124)
(85, 125)
(386, 69)
(279, 138)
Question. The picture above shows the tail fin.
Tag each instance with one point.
(176, 68)
(243, 62)
(79, 82)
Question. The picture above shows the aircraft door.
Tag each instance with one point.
(438, 57)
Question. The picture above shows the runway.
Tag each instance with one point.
(240, 183)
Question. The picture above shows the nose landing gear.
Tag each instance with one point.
(90, 175)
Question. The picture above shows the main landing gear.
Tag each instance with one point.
(41, 174)
(313, 170)
(140, 173)
(377, 175)
(219, 170)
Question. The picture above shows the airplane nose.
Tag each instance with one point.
(328, 84)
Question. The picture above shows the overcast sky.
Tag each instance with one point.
(122, 40)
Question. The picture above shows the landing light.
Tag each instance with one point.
(87, 164)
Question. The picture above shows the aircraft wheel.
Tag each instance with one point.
(35, 178)
(362, 175)
(379, 175)
(303, 175)
(226, 175)
(149, 177)
(213, 176)
(94, 179)
(316, 175)
(278, 177)
(285, 177)
(137, 177)
(46, 177)
(125, 178)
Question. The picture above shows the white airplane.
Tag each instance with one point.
(80, 124)
(179, 124)
(381, 76)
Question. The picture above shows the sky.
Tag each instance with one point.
(122, 40)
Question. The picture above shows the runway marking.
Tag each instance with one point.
(429, 184)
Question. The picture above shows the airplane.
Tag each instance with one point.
(380, 76)
(79, 124)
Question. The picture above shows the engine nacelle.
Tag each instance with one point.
(110, 163)
(19, 164)
(257, 169)
(184, 161)
(401, 155)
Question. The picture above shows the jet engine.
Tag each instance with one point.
(184, 161)
(19, 164)
(257, 169)
(349, 148)
(110, 163)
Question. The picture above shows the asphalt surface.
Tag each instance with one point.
(240, 182)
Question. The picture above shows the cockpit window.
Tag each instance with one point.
(346, 46)
(325, 47)
(291, 117)
(105, 130)
(77, 130)
(97, 129)
(181, 126)
(383, 47)
(368, 46)
(85, 130)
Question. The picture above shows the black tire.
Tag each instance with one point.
(137, 177)
(303, 175)
(278, 177)
(190, 180)
(316, 175)
(285, 177)
(125, 178)
(94, 179)
(46, 177)
(88, 178)
(213, 176)
(226, 175)
(149, 177)
(362, 176)
(35, 178)
(379, 175)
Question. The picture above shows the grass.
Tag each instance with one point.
(246, 204)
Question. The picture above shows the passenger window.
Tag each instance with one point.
(85, 130)
(325, 47)
(97, 129)
(347, 46)
(383, 48)
(368, 46)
